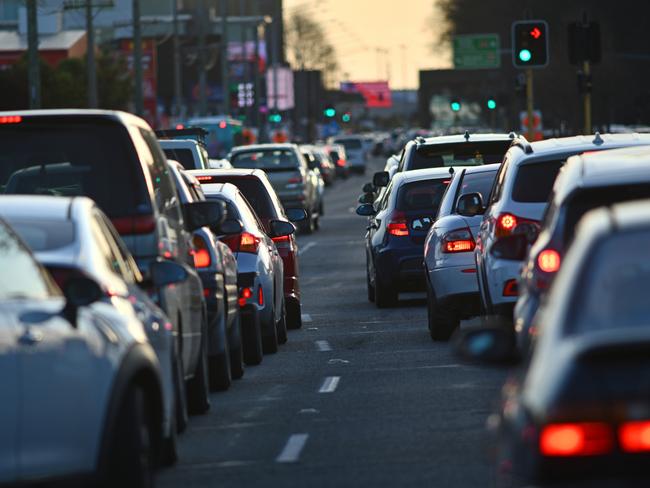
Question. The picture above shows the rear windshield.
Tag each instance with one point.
(421, 195)
(254, 191)
(44, 235)
(349, 144)
(477, 183)
(534, 182)
(70, 159)
(458, 154)
(276, 159)
(183, 156)
(588, 199)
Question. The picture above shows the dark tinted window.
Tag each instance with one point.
(183, 156)
(67, 159)
(421, 195)
(477, 183)
(267, 160)
(349, 144)
(458, 154)
(254, 191)
(44, 235)
(534, 181)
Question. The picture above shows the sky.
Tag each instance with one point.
(378, 39)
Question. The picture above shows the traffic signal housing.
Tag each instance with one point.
(530, 44)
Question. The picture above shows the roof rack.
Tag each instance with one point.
(597, 139)
(466, 136)
(420, 139)
(512, 135)
(197, 134)
(522, 142)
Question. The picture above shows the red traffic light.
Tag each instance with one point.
(536, 33)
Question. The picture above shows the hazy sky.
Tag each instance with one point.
(376, 37)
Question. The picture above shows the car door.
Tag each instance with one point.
(10, 406)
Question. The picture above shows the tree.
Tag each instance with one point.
(308, 47)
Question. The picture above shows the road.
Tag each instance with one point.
(358, 397)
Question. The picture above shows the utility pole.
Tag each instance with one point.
(177, 61)
(224, 57)
(203, 92)
(529, 104)
(34, 75)
(137, 58)
(277, 21)
(244, 52)
(256, 72)
(90, 50)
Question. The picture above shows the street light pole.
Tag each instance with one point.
(177, 62)
(92, 68)
(224, 57)
(34, 75)
(137, 58)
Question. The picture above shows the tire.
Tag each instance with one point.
(294, 314)
(442, 321)
(169, 448)
(270, 342)
(252, 341)
(371, 289)
(317, 222)
(219, 365)
(282, 326)
(198, 400)
(131, 455)
(237, 353)
(180, 395)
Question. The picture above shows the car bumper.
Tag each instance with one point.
(400, 269)
(454, 280)
(498, 273)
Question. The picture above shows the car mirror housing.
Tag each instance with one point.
(296, 214)
(381, 178)
(164, 273)
(513, 247)
(470, 204)
(369, 188)
(281, 228)
(79, 291)
(366, 210)
(367, 198)
(489, 344)
(207, 213)
(229, 227)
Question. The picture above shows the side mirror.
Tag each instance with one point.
(369, 188)
(513, 247)
(470, 204)
(296, 214)
(281, 228)
(366, 210)
(164, 273)
(492, 344)
(207, 213)
(229, 227)
(79, 291)
(367, 198)
(381, 178)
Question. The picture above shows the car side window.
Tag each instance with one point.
(497, 189)
(246, 208)
(130, 271)
(101, 239)
(383, 203)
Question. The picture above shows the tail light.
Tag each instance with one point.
(549, 261)
(511, 289)
(244, 242)
(506, 223)
(459, 240)
(204, 179)
(244, 295)
(282, 242)
(397, 225)
(340, 163)
(11, 119)
(138, 224)
(260, 296)
(635, 436)
(201, 255)
(295, 179)
(576, 439)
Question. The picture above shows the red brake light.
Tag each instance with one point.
(635, 436)
(201, 254)
(549, 261)
(223, 124)
(11, 119)
(179, 126)
(397, 225)
(459, 240)
(506, 223)
(295, 179)
(139, 224)
(204, 178)
(282, 242)
(340, 162)
(511, 289)
(248, 242)
(260, 296)
(576, 439)
(244, 295)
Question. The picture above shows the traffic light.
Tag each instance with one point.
(530, 44)
(491, 104)
(277, 118)
(584, 42)
(329, 112)
(346, 117)
(455, 105)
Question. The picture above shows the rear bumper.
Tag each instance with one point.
(400, 268)
(498, 273)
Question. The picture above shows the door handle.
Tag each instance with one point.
(30, 337)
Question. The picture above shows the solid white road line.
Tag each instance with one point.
(330, 384)
(292, 449)
(306, 248)
(323, 346)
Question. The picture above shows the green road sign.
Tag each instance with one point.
(477, 51)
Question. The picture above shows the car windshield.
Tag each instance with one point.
(183, 156)
(44, 235)
(254, 191)
(613, 289)
(71, 159)
(422, 195)
(350, 144)
(269, 160)
(477, 183)
(534, 181)
(458, 154)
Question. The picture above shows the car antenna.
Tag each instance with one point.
(597, 139)
(466, 135)
(451, 170)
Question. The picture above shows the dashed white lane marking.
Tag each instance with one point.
(323, 346)
(292, 449)
(330, 384)
(306, 248)
(306, 317)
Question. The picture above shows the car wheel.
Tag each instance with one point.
(180, 395)
(282, 326)
(294, 313)
(237, 351)
(317, 222)
(219, 364)
(270, 342)
(371, 289)
(252, 338)
(131, 454)
(169, 449)
(442, 320)
(198, 400)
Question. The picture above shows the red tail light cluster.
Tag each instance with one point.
(635, 436)
(459, 240)
(397, 225)
(506, 223)
(282, 242)
(511, 288)
(202, 257)
(244, 242)
(340, 162)
(139, 224)
(244, 295)
(11, 119)
(549, 261)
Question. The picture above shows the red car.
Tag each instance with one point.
(257, 189)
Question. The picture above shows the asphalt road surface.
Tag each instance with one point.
(358, 397)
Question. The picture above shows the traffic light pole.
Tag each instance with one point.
(34, 62)
(529, 103)
(587, 100)
(138, 98)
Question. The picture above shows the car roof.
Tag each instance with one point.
(228, 172)
(177, 143)
(466, 137)
(258, 147)
(226, 189)
(42, 206)
(425, 174)
(115, 115)
(483, 168)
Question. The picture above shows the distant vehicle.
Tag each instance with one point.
(287, 169)
(517, 203)
(257, 189)
(82, 390)
(452, 290)
(585, 182)
(579, 412)
(356, 150)
(398, 226)
(190, 154)
(219, 164)
(314, 167)
(325, 165)
(260, 272)
(338, 155)
(224, 133)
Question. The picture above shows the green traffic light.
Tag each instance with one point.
(455, 106)
(329, 112)
(491, 104)
(525, 55)
(346, 118)
(275, 118)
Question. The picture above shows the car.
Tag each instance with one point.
(114, 158)
(337, 154)
(355, 151)
(324, 163)
(518, 201)
(260, 273)
(452, 290)
(578, 410)
(319, 182)
(257, 189)
(190, 153)
(217, 268)
(82, 389)
(585, 182)
(395, 235)
(219, 164)
(293, 181)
